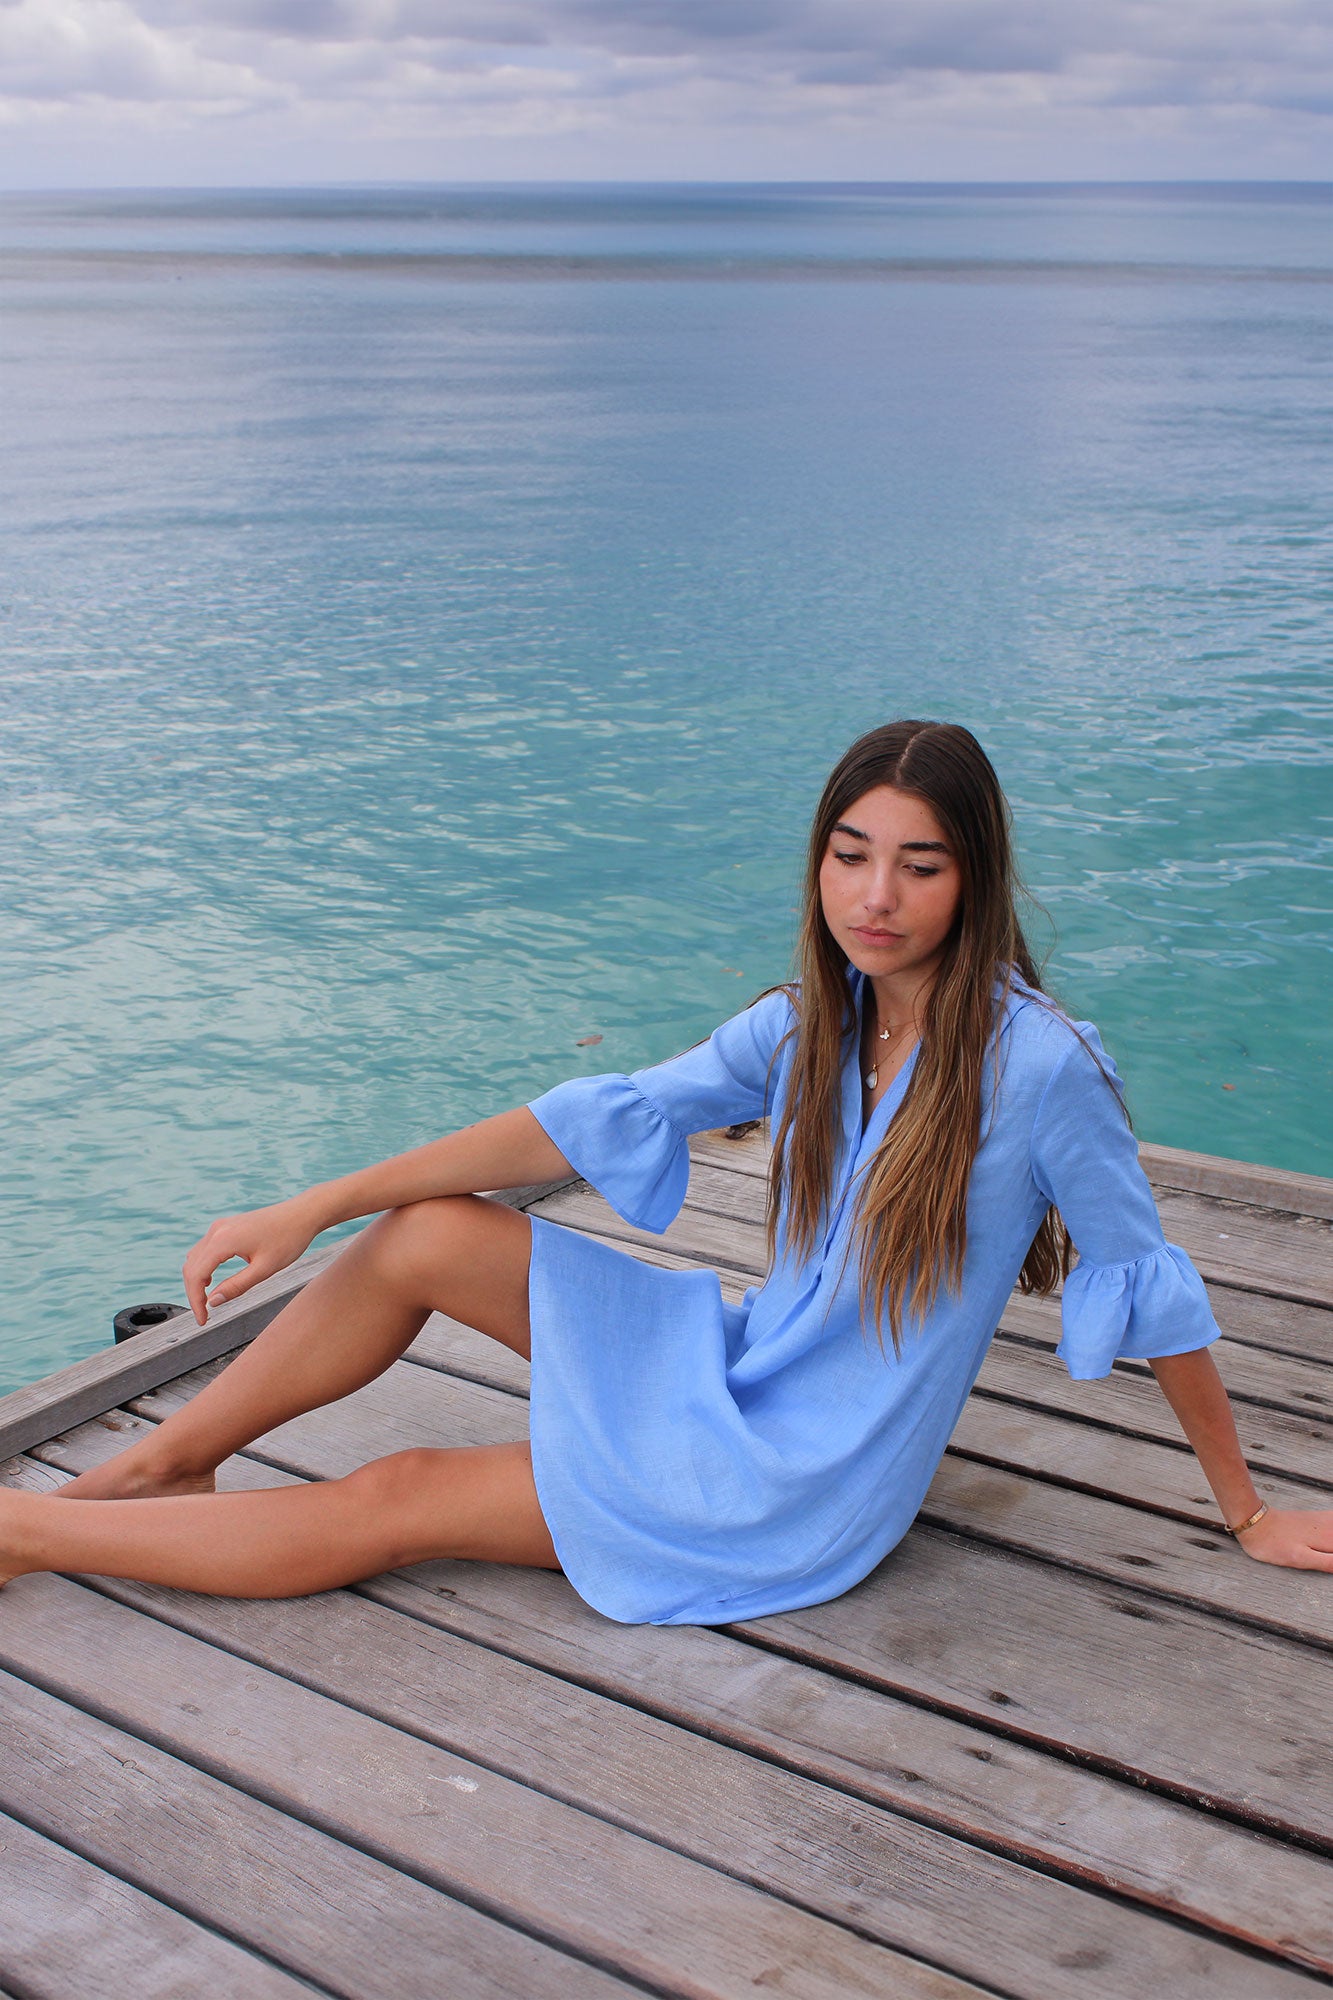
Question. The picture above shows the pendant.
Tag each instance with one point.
(872, 1078)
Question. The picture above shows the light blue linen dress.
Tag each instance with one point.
(697, 1461)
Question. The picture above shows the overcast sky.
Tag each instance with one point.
(161, 92)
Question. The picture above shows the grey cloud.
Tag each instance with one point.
(966, 35)
(1276, 54)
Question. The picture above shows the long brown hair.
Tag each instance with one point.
(911, 1215)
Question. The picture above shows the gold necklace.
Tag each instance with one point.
(872, 1074)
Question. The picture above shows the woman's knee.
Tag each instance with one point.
(477, 1503)
(458, 1254)
(399, 1500)
(411, 1241)
(392, 1486)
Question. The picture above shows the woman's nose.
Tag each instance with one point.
(882, 893)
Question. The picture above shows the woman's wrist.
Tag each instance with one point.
(318, 1208)
(1195, 1391)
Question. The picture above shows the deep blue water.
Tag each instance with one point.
(429, 614)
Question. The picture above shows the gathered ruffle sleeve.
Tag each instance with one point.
(1131, 1295)
(628, 1135)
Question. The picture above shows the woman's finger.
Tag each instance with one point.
(197, 1269)
(216, 1246)
(238, 1282)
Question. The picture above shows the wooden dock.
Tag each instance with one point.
(1067, 1741)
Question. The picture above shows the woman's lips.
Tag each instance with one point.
(877, 937)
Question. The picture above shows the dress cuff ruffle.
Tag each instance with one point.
(1150, 1306)
(621, 1143)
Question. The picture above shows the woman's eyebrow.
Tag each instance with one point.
(904, 847)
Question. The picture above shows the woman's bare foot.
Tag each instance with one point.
(136, 1474)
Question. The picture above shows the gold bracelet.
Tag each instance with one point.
(1256, 1517)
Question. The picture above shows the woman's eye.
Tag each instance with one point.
(846, 857)
(926, 872)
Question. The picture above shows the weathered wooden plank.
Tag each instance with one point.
(602, 1892)
(1300, 1384)
(1128, 1680)
(1103, 1539)
(723, 1192)
(115, 1375)
(1281, 1326)
(1259, 1249)
(456, 1349)
(746, 1154)
(70, 1931)
(404, 1408)
(1291, 1446)
(323, 1911)
(697, 1234)
(1109, 1463)
(948, 1773)
(1238, 1180)
(898, 1882)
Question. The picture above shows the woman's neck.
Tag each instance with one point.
(900, 997)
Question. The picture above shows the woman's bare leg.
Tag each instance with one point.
(462, 1255)
(287, 1541)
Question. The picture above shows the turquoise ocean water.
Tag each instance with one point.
(428, 616)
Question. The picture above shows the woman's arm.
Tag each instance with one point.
(1291, 1537)
(510, 1150)
(1133, 1296)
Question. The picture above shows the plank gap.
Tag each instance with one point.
(1089, 1760)
(68, 1843)
(1262, 1463)
(1159, 1592)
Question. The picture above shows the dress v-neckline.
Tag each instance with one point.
(859, 1127)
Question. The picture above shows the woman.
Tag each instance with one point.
(937, 1122)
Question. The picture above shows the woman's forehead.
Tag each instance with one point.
(886, 817)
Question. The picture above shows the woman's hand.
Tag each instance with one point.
(1292, 1537)
(502, 1152)
(267, 1238)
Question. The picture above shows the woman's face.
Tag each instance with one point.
(889, 884)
